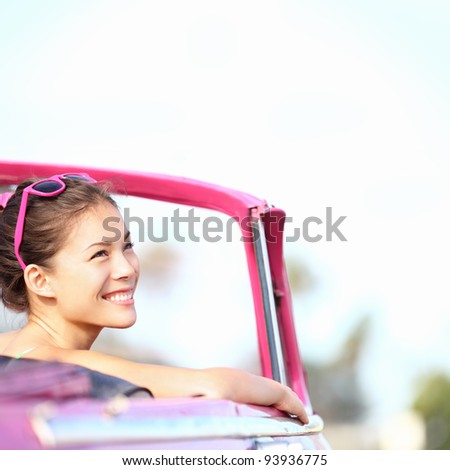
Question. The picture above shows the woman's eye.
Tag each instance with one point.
(99, 254)
(129, 245)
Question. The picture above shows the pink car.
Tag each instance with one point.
(46, 405)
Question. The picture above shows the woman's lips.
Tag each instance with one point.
(120, 297)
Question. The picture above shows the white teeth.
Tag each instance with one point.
(120, 297)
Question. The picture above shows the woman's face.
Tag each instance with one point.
(95, 274)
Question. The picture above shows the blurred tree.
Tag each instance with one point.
(159, 264)
(335, 386)
(432, 403)
(300, 277)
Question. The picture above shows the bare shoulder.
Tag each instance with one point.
(6, 338)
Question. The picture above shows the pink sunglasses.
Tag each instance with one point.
(47, 187)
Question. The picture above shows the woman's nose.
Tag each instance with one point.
(122, 267)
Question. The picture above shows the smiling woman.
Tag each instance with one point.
(62, 257)
(60, 267)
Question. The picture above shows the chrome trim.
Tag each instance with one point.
(62, 431)
(270, 312)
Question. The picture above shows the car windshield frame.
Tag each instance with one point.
(262, 228)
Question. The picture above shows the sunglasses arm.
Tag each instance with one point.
(19, 228)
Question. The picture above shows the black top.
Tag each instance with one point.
(37, 379)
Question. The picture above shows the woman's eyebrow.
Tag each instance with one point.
(107, 243)
(103, 243)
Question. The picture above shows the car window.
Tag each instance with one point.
(194, 299)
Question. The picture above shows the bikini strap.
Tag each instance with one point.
(19, 356)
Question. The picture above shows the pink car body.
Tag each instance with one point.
(192, 423)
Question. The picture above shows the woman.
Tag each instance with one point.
(60, 265)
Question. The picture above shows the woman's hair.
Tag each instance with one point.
(48, 221)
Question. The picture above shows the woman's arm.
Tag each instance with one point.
(165, 381)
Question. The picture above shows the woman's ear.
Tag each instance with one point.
(37, 281)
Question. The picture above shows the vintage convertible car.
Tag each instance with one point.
(45, 405)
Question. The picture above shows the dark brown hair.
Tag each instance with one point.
(48, 221)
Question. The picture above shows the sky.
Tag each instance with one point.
(310, 104)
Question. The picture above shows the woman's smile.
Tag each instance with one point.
(120, 297)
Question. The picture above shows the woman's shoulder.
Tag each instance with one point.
(6, 338)
(18, 344)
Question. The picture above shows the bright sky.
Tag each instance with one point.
(309, 104)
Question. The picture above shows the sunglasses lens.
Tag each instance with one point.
(47, 186)
(78, 177)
